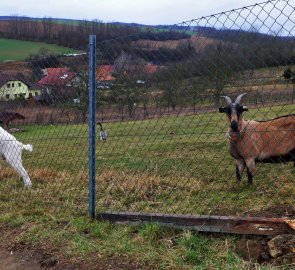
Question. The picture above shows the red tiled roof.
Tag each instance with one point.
(150, 68)
(104, 73)
(57, 77)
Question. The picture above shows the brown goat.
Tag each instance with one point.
(271, 141)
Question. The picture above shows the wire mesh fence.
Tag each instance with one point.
(44, 103)
(158, 94)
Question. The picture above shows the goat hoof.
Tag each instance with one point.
(28, 185)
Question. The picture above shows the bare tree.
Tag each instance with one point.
(218, 64)
(48, 24)
(123, 63)
(14, 25)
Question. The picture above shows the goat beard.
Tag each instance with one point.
(233, 134)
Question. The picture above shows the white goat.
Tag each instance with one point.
(11, 151)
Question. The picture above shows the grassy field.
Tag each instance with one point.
(170, 165)
(19, 50)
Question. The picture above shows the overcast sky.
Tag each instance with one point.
(139, 11)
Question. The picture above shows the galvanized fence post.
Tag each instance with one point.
(92, 133)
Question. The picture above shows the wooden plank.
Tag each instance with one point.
(207, 223)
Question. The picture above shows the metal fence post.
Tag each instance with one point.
(92, 135)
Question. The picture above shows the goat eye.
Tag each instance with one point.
(240, 109)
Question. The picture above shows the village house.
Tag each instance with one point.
(13, 88)
(59, 83)
(105, 77)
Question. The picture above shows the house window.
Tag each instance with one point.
(7, 96)
(8, 85)
(12, 85)
(19, 84)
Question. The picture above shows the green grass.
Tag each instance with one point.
(170, 165)
(19, 50)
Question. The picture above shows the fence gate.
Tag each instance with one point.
(166, 156)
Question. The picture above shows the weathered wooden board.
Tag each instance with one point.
(207, 223)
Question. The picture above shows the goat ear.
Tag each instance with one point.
(245, 109)
(222, 110)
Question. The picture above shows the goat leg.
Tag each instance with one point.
(240, 166)
(250, 163)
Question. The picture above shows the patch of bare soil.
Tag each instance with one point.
(22, 256)
(37, 260)
(276, 211)
(18, 261)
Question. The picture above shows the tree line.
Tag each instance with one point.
(74, 34)
(63, 33)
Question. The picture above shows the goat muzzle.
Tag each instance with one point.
(234, 127)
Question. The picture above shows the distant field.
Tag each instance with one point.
(18, 50)
(199, 42)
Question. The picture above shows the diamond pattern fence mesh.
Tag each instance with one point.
(159, 91)
(167, 145)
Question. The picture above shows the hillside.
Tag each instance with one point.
(203, 54)
(74, 34)
(198, 42)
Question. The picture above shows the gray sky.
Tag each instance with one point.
(139, 11)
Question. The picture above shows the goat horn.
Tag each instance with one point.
(238, 100)
(228, 99)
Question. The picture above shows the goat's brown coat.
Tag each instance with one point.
(267, 141)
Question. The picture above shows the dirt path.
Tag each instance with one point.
(18, 261)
